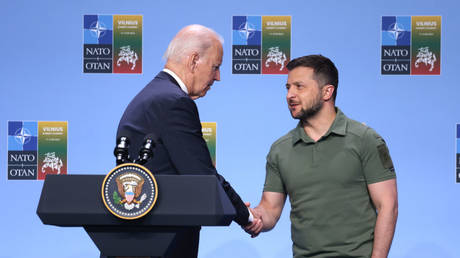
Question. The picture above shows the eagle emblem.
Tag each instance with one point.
(129, 191)
(130, 187)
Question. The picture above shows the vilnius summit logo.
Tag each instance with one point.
(261, 44)
(36, 149)
(411, 45)
(112, 44)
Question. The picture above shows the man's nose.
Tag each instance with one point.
(291, 93)
(217, 75)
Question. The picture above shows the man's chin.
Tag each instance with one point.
(206, 90)
(296, 115)
(202, 95)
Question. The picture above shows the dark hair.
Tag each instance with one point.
(324, 70)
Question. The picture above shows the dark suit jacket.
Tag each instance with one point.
(164, 109)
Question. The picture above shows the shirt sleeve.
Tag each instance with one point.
(273, 179)
(377, 163)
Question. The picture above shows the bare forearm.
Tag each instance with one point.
(267, 213)
(268, 217)
(384, 231)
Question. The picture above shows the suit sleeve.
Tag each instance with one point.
(187, 149)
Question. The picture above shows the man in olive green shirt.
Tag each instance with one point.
(337, 172)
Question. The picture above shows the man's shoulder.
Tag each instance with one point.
(160, 91)
(156, 98)
(285, 140)
(357, 128)
(162, 85)
(361, 130)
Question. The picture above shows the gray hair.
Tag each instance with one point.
(191, 38)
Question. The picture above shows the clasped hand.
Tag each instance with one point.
(255, 227)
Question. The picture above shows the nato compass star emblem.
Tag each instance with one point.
(98, 29)
(22, 136)
(396, 30)
(246, 30)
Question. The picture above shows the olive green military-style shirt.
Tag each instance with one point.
(332, 214)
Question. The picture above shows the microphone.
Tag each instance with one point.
(121, 150)
(146, 152)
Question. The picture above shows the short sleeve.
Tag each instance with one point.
(377, 163)
(273, 179)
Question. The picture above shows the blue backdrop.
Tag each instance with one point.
(42, 80)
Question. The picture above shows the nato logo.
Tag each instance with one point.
(396, 30)
(22, 136)
(22, 150)
(396, 40)
(98, 29)
(97, 49)
(247, 41)
(247, 30)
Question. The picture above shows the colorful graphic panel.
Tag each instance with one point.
(411, 45)
(426, 45)
(276, 44)
(36, 149)
(209, 130)
(52, 148)
(127, 44)
(261, 44)
(112, 43)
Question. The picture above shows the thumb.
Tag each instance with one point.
(248, 204)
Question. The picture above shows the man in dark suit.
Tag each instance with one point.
(166, 108)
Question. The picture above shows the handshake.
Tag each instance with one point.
(266, 214)
(256, 224)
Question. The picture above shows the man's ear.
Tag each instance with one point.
(192, 61)
(327, 91)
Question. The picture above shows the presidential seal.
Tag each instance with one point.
(129, 191)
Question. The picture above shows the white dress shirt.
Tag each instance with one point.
(178, 80)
